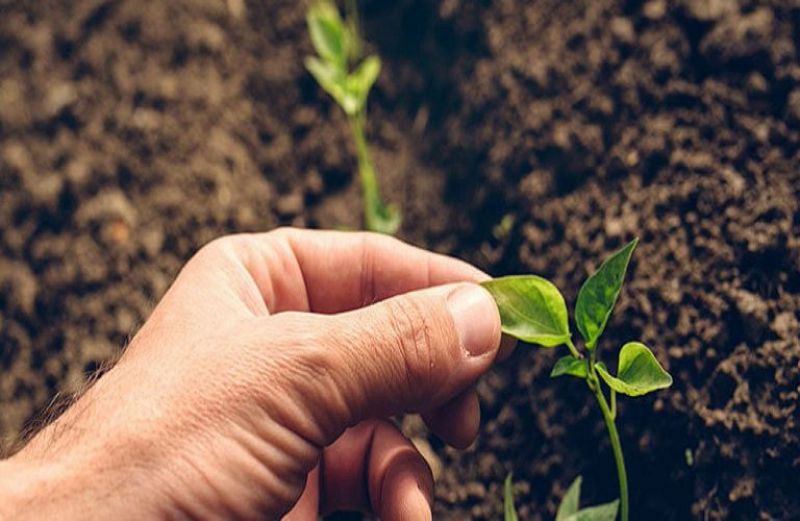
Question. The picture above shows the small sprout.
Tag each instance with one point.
(570, 510)
(338, 46)
(508, 500)
(533, 310)
(502, 230)
(687, 453)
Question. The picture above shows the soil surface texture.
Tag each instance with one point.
(522, 135)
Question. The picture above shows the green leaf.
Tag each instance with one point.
(599, 294)
(638, 371)
(570, 501)
(353, 44)
(328, 33)
(328, 76)
(569, 365)
(531, 309)
(604, 512)
(508, 500)
(568, 510)
(363, 78)
(333, 82)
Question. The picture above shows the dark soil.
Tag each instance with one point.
(131, 132)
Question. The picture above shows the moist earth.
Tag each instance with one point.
(524, 136)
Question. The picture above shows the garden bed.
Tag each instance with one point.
(133, 132)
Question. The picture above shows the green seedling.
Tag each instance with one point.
(510, 512)
(569, 509)
(342, 73)
(533, 310)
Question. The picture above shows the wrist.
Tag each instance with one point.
(78, 484)
(27, 490)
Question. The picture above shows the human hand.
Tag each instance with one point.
(262, 383)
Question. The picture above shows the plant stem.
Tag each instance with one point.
(366, 171)
(573, 350)
(613, 435)
(613, 404)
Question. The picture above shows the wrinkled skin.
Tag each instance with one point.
(262, 384)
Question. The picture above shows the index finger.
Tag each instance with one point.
(333, 272)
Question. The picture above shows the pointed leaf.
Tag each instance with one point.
(638, 371)
(363, 78)
(353, 44)
(599, 294)
(329, 78)
(508, 500)
(604, 512)
(569, 365)
(531, 309)
(333, 82)
(328, 33)
(571, 501)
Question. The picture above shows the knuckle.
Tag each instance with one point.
(220, 252)
(283, 232)
(220, 247)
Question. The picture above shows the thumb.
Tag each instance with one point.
(412, 352)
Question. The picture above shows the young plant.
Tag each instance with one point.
(569, 509)
(533, 310)
(509, 511)
(341, 72)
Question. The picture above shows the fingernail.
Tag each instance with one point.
(476, 318)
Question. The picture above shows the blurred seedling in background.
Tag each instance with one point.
(342, 73)
(533, 310)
